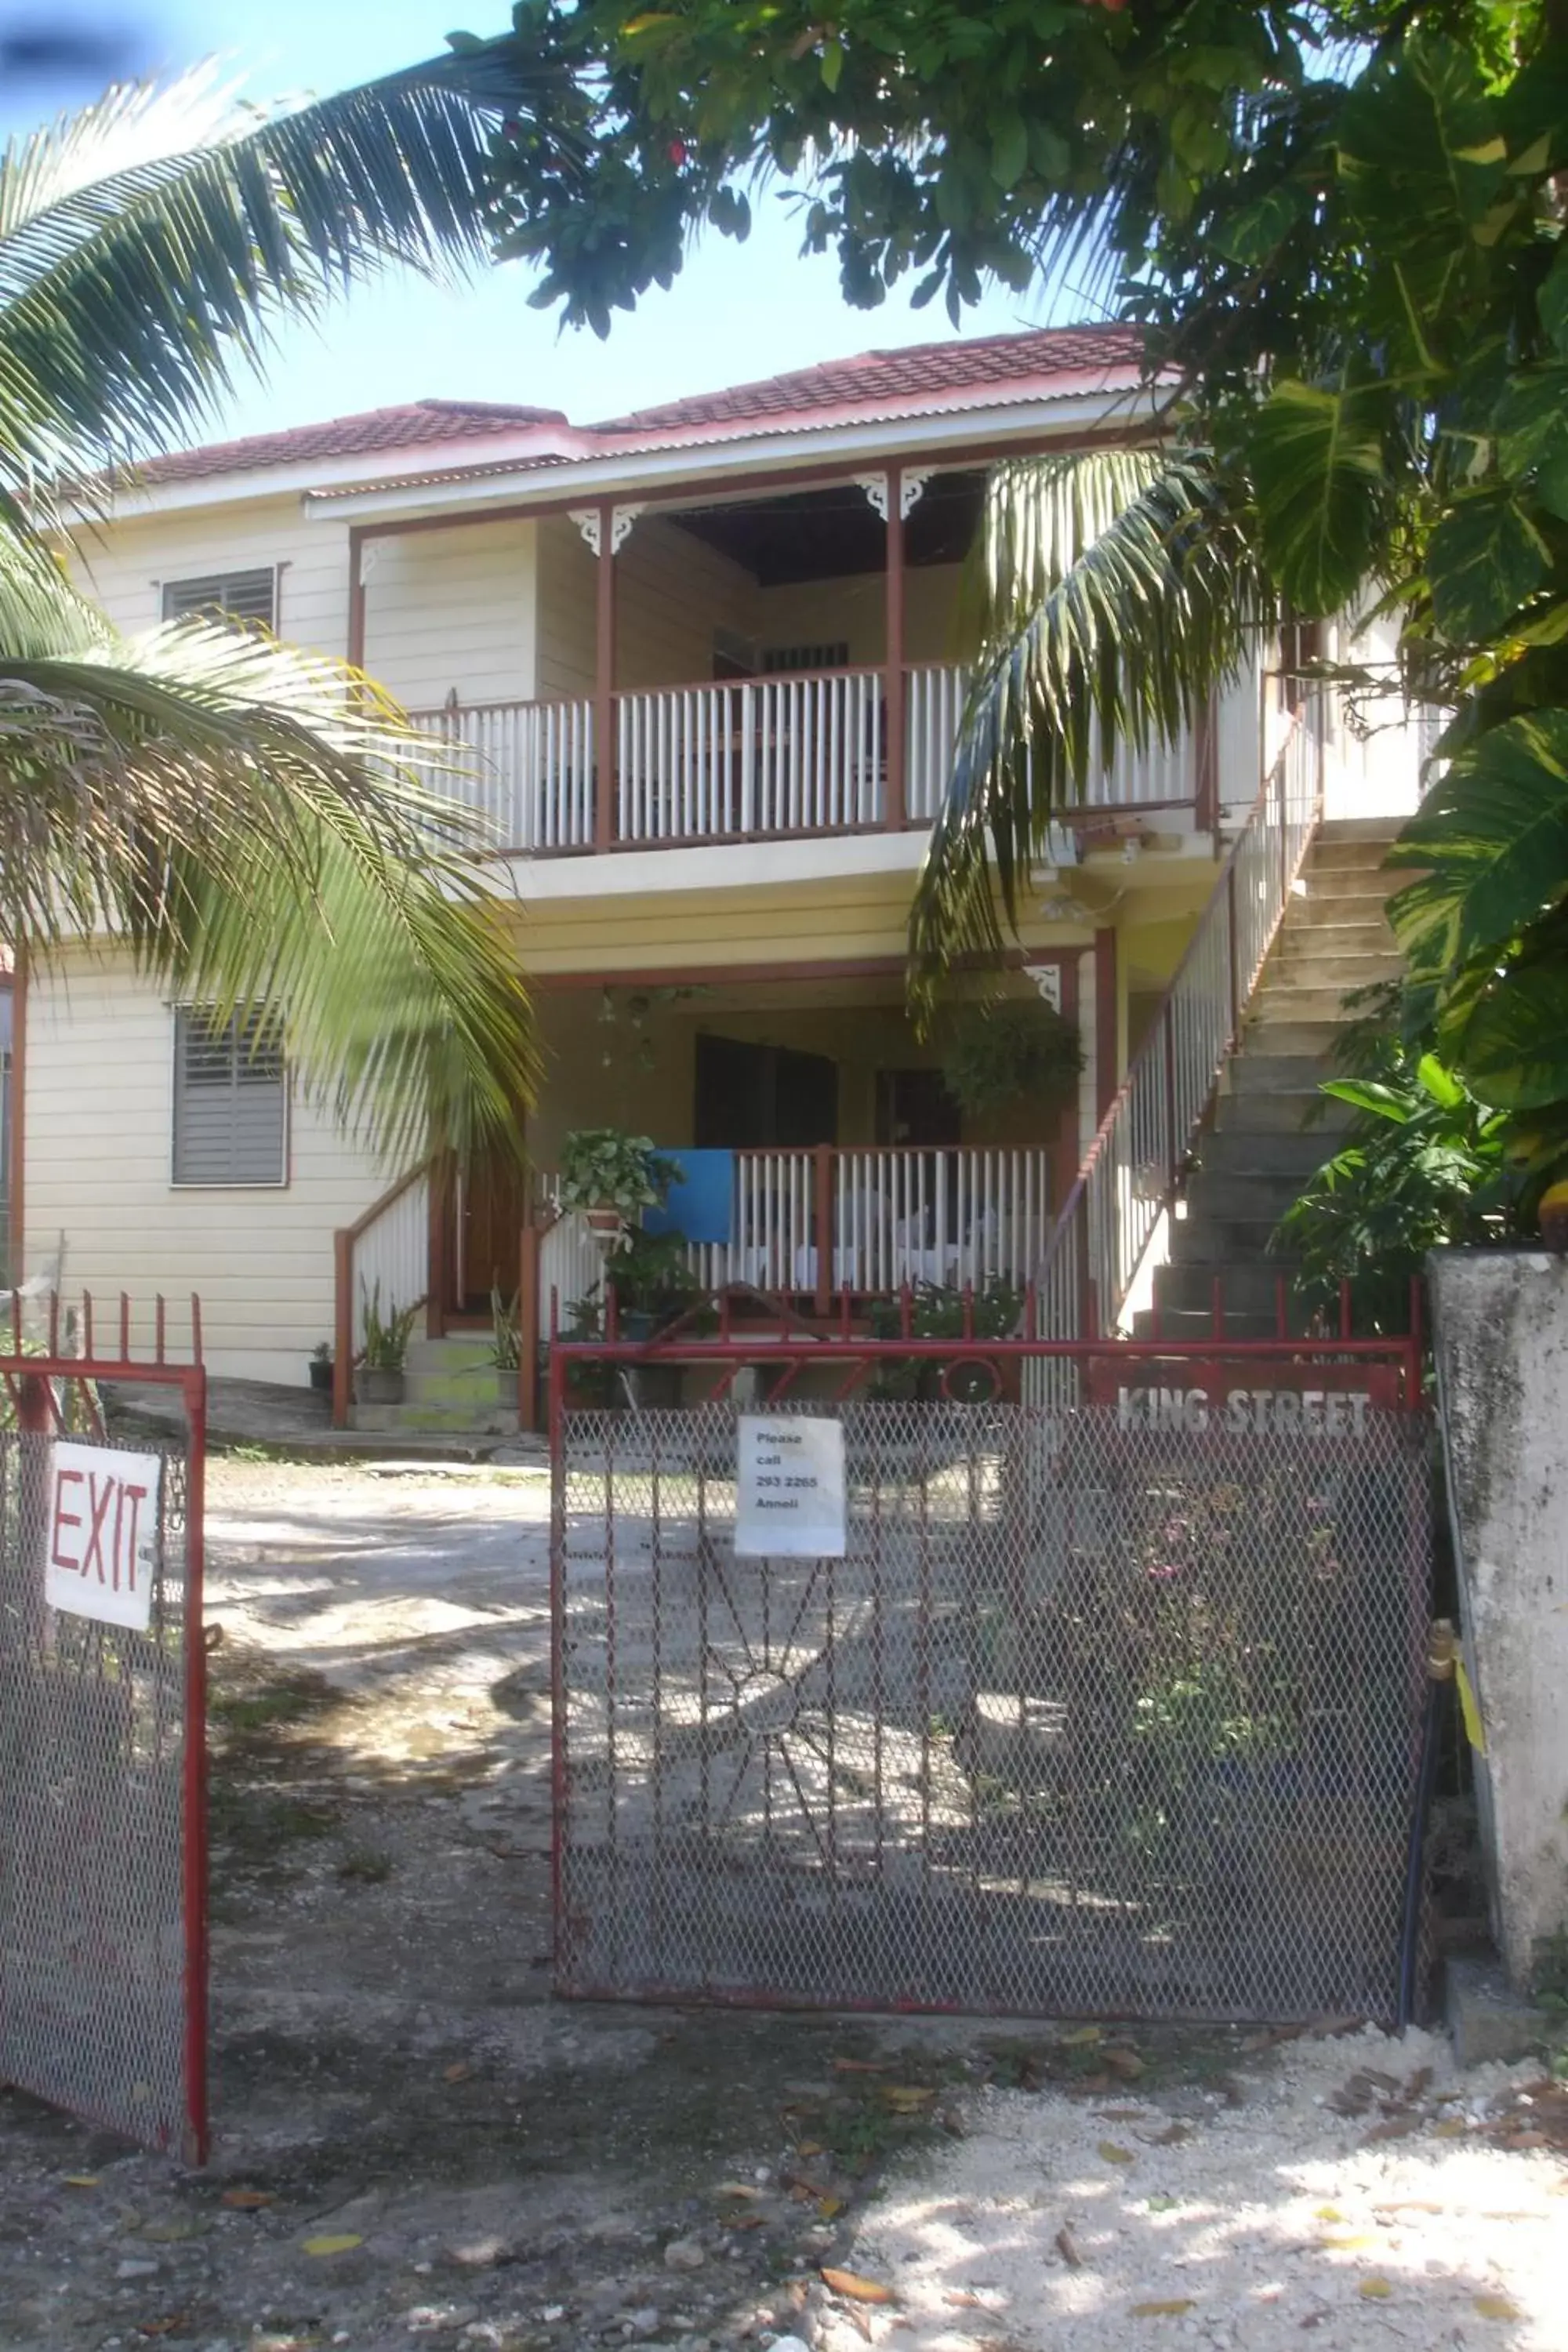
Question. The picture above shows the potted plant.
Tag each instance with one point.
(506, 1342)
(321, 1365)
(995, 1055)
(378, 1375)
(653, 1282)
(612, 1177)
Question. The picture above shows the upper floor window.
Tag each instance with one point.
(229, 595)
(785, 660)
(231, 1100)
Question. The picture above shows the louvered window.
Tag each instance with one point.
(230, 1100)
(229, 595)
(785, 660)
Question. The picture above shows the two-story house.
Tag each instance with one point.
(709, 658)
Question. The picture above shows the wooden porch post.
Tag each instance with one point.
(1106, 1055)
(1205, 771)
(356, 596)
(604, 683)
(437, 1246)
(342, 1326)
(822, 1177)
(528, 1324)
(896, 805)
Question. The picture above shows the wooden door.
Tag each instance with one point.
(489, 1207)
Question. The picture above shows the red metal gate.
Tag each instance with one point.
(102, 1795)
(1105, 1699)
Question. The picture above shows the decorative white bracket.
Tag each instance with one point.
(1047, 979)
(369, 557)
(876, 489)
(909, 491)
(587, 522)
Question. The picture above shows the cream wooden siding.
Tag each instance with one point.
(452, 609)
(124, 565)
(100, 1079)
(672, 592)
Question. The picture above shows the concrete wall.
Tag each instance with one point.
(1501, 1337)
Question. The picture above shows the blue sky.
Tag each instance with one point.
(738, 311)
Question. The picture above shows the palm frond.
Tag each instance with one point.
(1113, 591)
(254, 833)
(152, 241)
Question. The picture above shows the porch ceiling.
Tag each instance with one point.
(836, 534)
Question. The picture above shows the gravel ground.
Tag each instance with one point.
(1245, 2219)
(415, 2144)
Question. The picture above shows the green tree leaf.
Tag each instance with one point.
(1486, 557)
(1493, 839)
(1317, 460)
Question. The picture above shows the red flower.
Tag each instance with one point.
(677, 148)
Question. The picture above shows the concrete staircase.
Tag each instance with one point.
(451, 1385)
(1259, 1149)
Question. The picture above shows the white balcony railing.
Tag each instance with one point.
(935, 695)
(804, 752)
(797, 753)
(526, 769)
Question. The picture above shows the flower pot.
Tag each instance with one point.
(320, 1375)
(374, 1386)
(604, 1222)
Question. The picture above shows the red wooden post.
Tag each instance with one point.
(342, 1326)
(528, 1327)
(1106, 1040)
(897, 801)
(822, 1176)
(605, 684)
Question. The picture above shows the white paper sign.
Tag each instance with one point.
(789, 1488)
(103, 1534)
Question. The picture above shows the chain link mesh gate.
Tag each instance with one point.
(102, 1834)
(1109, 1711)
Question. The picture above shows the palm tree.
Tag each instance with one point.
(1112, 591)
(254, 824)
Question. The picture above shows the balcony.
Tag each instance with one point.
(765, 757)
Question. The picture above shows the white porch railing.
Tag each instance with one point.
(1160, 777)
(892, 1217)
(528, 771)
(1130, 1175)
(795, 753)
(383, 1260)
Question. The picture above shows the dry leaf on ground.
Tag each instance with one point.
(855, 2289)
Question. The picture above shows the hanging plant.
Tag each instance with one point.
(995, 1055)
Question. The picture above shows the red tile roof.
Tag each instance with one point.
(922, 372)
(409, 427)
(984, 370)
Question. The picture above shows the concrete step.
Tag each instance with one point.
(1221, 1243)
(1328, 972)
(1279, 1000)
(1359, 929)
(455, 1420)
(1188, 1289)
(1198, 1323)
(458, 1349)
(1256, 1072)
(1297, 1039)
(1363, 881)
(1345, 832)
(1281, 1113)
(1278, 1154)
(1246, 1193)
